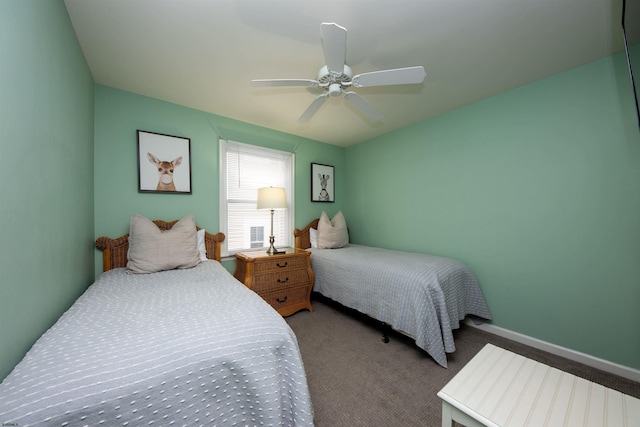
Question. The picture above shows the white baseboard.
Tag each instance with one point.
(594, 362)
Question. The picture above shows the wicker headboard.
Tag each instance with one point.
(303, 237)
(114, 251)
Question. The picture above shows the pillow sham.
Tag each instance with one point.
(202, 249)
(152, 250)
(332, 233)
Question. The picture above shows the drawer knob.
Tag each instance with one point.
(281, 300)
(283, 281)
(283, 265)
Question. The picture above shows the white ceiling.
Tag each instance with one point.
(204, 53)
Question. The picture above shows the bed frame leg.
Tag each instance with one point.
(385, 332)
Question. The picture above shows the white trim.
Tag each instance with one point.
(222, 202)
(576, 356)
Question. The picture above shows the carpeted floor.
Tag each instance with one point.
(357, 380)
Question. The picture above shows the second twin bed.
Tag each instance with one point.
(422, 296)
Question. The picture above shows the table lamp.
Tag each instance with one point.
(272, 198)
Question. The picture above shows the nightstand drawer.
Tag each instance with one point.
(280, 263)
(286, 297)
(280, 279)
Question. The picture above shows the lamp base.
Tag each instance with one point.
(272, 249)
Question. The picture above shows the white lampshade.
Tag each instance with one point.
(272, 198)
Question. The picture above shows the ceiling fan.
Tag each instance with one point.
(336, 77)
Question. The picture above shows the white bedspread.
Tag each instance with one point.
(181, 347)
(421, 295)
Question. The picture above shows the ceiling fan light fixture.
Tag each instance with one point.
(335, 89)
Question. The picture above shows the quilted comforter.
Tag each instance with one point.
(179, 347)
(422, 296)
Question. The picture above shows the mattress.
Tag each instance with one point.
(420, 295)
(179, 347)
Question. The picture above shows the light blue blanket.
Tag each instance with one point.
(180, 347)
(420, 295)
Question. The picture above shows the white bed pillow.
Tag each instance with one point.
(313, 237)
(202, 249)
(332, 233)
(152, 250)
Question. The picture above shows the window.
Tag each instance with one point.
(244, 168)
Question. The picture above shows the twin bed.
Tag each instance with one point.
(422, 296)
(186, 346)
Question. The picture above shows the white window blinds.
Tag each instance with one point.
(245, 168)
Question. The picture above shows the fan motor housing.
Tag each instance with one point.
(326, 77)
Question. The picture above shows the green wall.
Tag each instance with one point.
(46, 180)
(537, 190)
(119, 114)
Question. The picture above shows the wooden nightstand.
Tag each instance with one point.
(284, 280)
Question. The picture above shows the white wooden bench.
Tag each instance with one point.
(501, 388)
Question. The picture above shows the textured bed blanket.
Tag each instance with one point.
(181, 347)
(420, 295)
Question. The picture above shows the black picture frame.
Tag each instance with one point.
(322, 183)
(164, 163)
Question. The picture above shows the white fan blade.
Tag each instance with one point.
(398, 76)
(313, 108)
(361, 104)
(284, 82)
(334, 43)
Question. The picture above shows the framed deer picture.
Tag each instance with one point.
(322, 183)
(164, 163)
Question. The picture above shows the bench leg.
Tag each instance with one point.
(447, 416)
